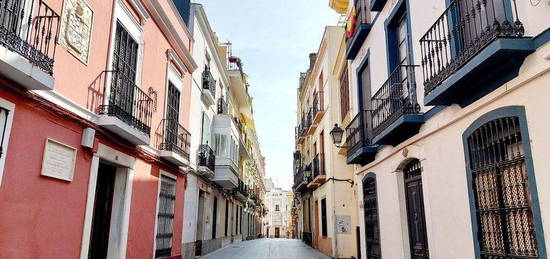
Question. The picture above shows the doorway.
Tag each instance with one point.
(416, 217)
(200, 224)
(101, 217)
(277, 232)
(316, 219)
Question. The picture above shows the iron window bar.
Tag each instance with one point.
(464, 29)
(165, 217)
(127, 101)
(501, 191)
(32, 35)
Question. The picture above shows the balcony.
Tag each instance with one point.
(318, 107)
(126, 110)
(359, 29)
(208, 87)
(173, 142)
(318, 171)
(360, 149)
(241, 192)
(206, 161)
(470, 51)
(310, 126)
(28, 41)
(222, 106)
(396, 114)
(301, 178)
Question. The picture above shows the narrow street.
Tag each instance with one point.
(264, 248)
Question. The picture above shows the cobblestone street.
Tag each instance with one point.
(267, 248)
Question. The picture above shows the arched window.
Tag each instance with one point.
(501, 190)
(370, 209)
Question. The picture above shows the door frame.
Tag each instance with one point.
(124, 164)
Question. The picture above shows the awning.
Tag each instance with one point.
(340, 6)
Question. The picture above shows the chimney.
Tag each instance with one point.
(312, 58)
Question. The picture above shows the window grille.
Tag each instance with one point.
(372, 231)
(501, 191)
(165, 216)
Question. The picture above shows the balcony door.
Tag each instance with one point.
(124, 65)
(206, 138)
(172, 114)
(416, 217)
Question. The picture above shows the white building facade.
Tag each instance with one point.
(449, 129)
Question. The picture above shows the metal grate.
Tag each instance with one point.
(372, 230)
(501, 191)
(165, 216)
(344, 93)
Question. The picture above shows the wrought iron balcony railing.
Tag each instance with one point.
(318, 103)
(206, 157)
(173, 137)
(396, 97)
(299, 176)
(126, 101)
(208, 81)
(461, 32)
(359, 132)
(30, 28)
(318, 165)
(361, 17)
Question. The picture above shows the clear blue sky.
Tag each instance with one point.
(274, 39)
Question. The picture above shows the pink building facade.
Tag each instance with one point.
(94, 112)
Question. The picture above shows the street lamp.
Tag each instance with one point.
(336, 133)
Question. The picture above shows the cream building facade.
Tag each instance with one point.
(277, 223)
(323, 182)
(447, 130)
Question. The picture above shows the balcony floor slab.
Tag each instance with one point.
(403, 128)
(124, 130)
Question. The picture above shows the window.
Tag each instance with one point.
(344, 93)
(370, 209)
(501, 191)
(206, 131)
(165, 216)
(277, 207)
(125, 56)
(6, 120)
(324, 217)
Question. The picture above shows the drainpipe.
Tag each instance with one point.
(335, 239)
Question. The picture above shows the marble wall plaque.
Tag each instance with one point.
(343, 224)
(59, 160)
(75, 31)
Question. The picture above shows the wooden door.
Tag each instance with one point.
(415, 211)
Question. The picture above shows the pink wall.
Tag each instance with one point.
(84, 83)
(143, 212)
(41, 217)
